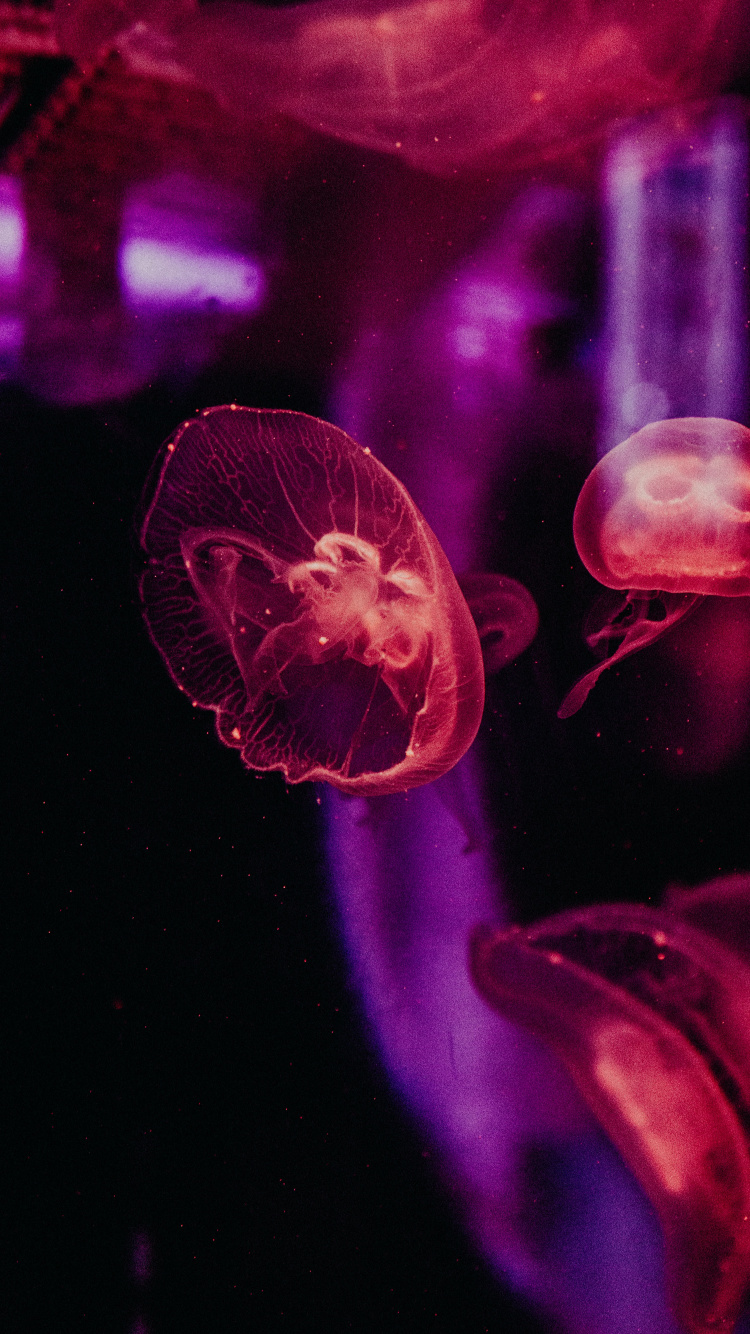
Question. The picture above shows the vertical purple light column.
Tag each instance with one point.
(548, 1202)
(675, 345)
(676, 302)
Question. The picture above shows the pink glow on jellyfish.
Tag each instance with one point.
(439, 83)
(720, 906)
(651, 1017)
(665, 516)
(547, 1201)
(505, 615)
(294, 588)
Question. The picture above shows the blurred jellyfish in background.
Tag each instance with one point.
(505, 615)
(440, 83)
(650, 1011)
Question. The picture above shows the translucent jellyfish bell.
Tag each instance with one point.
(505, 615)
(294, 588)
(665, 517)
(437, 82)
(669, 508)
(651, 1016)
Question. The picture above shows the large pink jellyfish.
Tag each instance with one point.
(294, 588)
(651, 1016)
(665, 516)
(440, 83)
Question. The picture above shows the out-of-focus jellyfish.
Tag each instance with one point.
(505, 615)
(720, 906)
(665, 516)
(441, 83)
(651, 1016)
(294, 588)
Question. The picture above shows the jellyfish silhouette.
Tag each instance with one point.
(665, 516)
(651, 1017)
(294, 588)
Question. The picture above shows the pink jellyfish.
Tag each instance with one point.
(505, 615)
(665, 516)
(439, 83)
(294, 588)
(651, 1017)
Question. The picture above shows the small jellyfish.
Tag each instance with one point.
(294, 588)
(664, 517)
(505, 615)
(651, 1017)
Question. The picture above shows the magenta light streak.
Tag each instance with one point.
(468, 368)
(411, 876)
(12, 268)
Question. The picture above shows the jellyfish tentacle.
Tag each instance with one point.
(635, 626)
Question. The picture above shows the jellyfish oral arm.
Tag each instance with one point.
(632, 620)
(341, 601)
